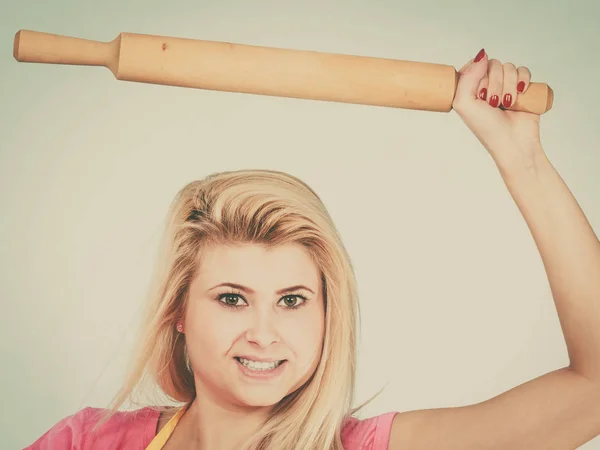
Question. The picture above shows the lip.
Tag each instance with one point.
(259, 359)
(262, 374)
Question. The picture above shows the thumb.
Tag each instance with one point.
(470, 76)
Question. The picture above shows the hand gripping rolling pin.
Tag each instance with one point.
(223, 66)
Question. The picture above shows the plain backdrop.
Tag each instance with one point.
(456, 307)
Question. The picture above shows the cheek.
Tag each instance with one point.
(304, 334)
(210, 330)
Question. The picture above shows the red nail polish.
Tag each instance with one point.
(507, 101)
(521, 86)
(479, 55)
(494, 101)
(483, 94)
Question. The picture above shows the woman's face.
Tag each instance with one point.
(254, 323)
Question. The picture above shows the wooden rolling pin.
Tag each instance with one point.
(271, 71)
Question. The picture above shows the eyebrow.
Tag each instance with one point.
(251, 291)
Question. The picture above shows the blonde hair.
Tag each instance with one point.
(270, 208)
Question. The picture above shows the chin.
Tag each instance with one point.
(258, 400)
(263, 396)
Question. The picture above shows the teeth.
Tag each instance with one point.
(257, 365)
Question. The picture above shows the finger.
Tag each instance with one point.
(470, 76)
(483, 88)
(524, 79)
(480, 55)
(496, 80)
(509, 85)
(463, 68)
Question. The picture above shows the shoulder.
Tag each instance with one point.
(96, 429)
(368, 434)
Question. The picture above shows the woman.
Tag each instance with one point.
(252, 324)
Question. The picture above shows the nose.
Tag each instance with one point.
(262, 330)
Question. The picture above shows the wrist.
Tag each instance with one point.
(522, 162)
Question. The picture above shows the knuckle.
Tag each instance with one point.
(524, 71)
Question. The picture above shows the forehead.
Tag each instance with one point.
(255, 264)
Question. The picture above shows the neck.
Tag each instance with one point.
(211, 425)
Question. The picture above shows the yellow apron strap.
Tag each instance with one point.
(163, 436)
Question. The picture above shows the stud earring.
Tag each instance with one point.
(180, 327)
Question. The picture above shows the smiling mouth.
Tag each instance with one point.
(259, 366)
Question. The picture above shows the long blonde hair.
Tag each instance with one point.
(269, 208)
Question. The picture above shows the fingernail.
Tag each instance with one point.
(507, 101)
(494, 101)
(483, 94)
(479, 55)
(521, 86)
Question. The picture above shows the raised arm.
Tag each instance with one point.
(559, 410)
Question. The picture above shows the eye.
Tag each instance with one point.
(293, 301)
(231, 299)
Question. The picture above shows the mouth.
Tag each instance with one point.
(259, 366)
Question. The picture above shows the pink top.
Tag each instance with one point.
(133, 430)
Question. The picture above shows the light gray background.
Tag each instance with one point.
(455, 303)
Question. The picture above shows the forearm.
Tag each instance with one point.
(570, 253)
